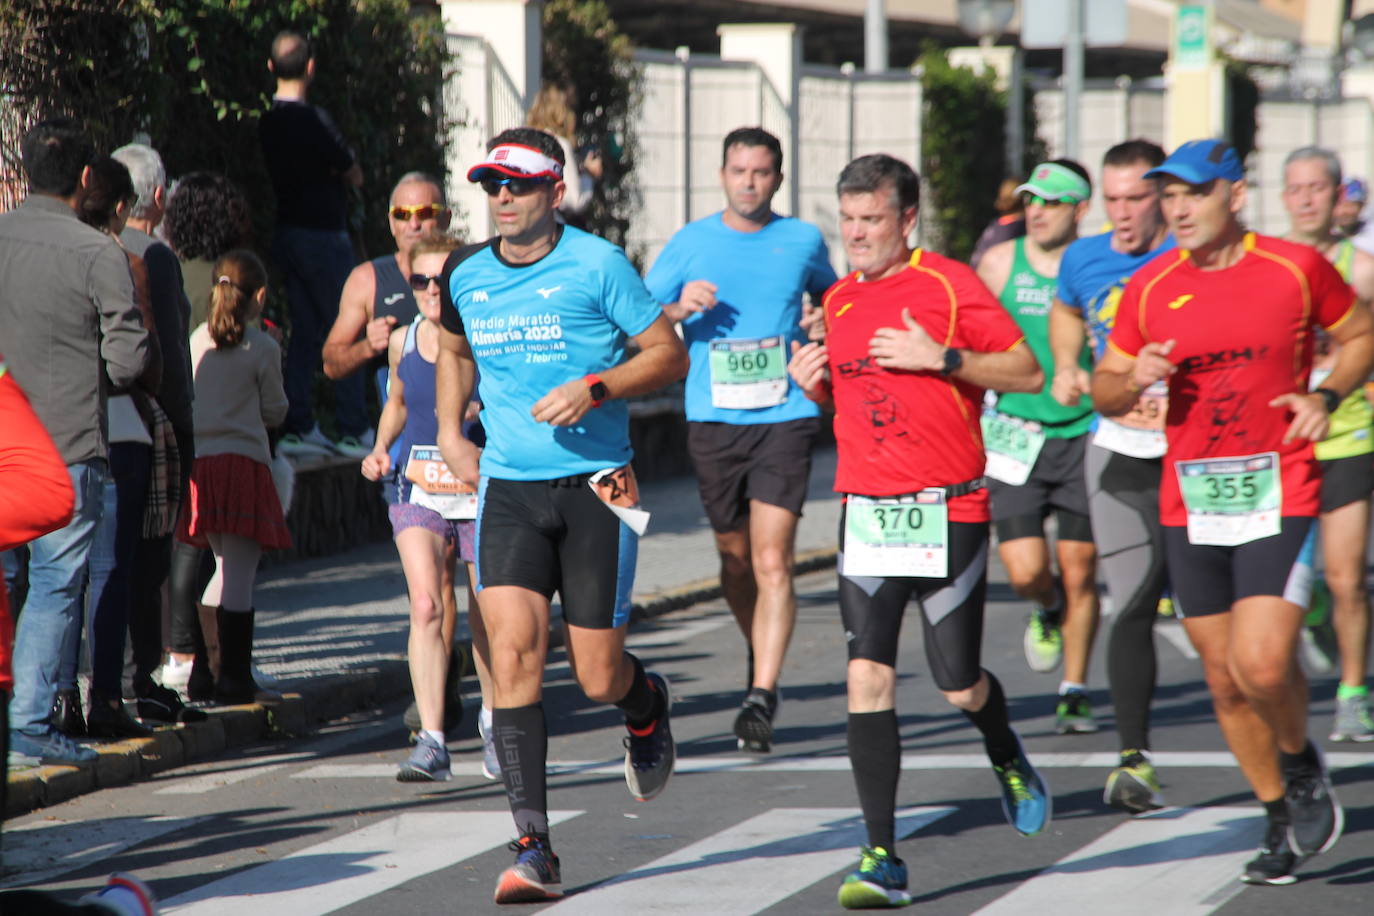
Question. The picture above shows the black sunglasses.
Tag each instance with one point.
(517, 186)
(420, 282)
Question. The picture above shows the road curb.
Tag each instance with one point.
(304, 706)
(122, 762)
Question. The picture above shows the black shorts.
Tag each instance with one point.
(770, 462)
(1346, 480)
(1056, 484)
(1209, 580)
(557, 536)
(951, 610)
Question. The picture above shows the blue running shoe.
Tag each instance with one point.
(879, 881)
(535, 875)
(52, 749)
(650, 752)
(1026, 799)
(428, 762)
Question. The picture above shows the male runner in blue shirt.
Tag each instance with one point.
(735, 281)
(545, 312)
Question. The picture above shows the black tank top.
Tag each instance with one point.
(392, 297)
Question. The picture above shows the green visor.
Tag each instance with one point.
(1053, 182)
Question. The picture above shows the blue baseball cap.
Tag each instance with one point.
(1355, 189)
(1201, 161)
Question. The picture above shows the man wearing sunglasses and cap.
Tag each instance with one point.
(545, 312)
(1229, 322)
(1035, 448)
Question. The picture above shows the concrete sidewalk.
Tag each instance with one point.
(333, 631)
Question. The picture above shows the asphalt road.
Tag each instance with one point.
(321, 825)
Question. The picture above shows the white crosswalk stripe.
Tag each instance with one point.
(354, 866)
(37, 853)
(1104, 761)
(1180, 861)
(745, 868)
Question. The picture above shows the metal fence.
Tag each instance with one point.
(12, 128)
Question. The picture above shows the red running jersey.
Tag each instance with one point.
(1243, 337)
(897, 431)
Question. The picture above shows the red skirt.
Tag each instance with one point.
(233, 494)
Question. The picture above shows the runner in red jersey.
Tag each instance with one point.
(1229, 321)
(913, 338)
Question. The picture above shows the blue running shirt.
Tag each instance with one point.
(533, 327)
(1091, 278)
(760, 278)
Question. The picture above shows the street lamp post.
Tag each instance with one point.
(986, 20)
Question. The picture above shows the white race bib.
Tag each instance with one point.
(748, 374)
(1231, 501)
(436, 488)
(1140, 433)
(1012, 446)
(897, 536)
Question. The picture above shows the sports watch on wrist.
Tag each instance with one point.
(954, 359)
(1332, 399)
(597, 389)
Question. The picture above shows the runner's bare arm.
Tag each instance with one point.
(1067, 333)
(696, 296)
(994, 268)
(1354, 361)
(1118, 379)
(809, 368)
(355, 337)
(454, 375)
(913, 349)
(377, 464)
(661, 359)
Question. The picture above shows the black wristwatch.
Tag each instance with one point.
(1332, 399)
(954, 360)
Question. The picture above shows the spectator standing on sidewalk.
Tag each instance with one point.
(86, 336)
(312, 169)
(171, 316)
(129, 414)
(234, 508)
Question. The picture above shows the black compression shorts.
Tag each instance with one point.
(951, 610)
(557, 536)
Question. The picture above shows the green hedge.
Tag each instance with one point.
(191, 75)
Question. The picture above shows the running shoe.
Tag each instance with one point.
(879, 881)
(1026, 800)
(428, 762)
(491, 764)
(1275, 862)
(1133, 787)
(535, 875)
(1353, 720)
(312, 444)
(650, 752)
(124, 895)
(754, 724)
(1317, 817)
(1043, 642)
(1073, 715)
(352, 447)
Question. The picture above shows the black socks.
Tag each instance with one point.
(522, 745)
(998, 739)
(643, 704)
(875, 755)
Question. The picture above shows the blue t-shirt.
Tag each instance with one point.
(533, 327)
(760, 278)
(1092, 277)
